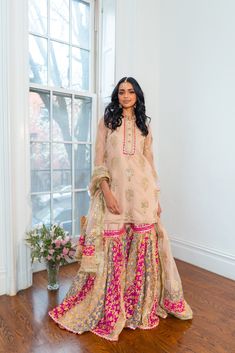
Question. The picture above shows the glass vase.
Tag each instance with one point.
(53, 274)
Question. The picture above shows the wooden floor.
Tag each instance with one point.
(26, 328)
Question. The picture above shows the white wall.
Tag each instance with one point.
(135, 54)
(183, 54)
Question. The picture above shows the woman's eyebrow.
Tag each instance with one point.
(128, 89)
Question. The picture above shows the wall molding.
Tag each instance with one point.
(210, 259)
(2, 280)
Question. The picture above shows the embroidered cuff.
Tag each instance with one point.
(88, 250)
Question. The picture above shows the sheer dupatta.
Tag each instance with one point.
(90, 247)
(172, 296)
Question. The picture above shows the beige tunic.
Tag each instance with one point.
(128, 156)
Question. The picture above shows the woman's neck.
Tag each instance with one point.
(129, 112)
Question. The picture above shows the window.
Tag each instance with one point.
(61, 105)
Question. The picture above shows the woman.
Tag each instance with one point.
(127, 275)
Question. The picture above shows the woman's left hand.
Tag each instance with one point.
(159, 210)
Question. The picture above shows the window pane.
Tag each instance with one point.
(81, 208)
(59, 19)
(62, 210)
(80, 24)
(38, 16)
(59, 64)
(82, 165)
(61, 118)
(37, 60)
(80, 69)
(39, 113)
(61, 165)
(82, 119)
(41, 209)
(40, 167)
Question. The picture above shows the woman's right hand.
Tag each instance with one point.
(111, 203)
(110, 199)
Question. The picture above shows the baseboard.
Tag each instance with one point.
(25, 282)
(2, 281)
(210, 259)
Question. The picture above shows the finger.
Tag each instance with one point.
(117, 209)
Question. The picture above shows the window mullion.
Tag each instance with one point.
(70, 43)
(73, 166)
(48, 41)
(51, 154)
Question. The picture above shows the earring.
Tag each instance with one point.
(135, 106)
(120, 106)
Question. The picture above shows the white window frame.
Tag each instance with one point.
(94, 16)
(73, 95)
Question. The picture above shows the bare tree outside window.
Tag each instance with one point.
(60, 105)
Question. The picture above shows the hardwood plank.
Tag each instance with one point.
(26, 328)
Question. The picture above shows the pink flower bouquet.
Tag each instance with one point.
(52, 244)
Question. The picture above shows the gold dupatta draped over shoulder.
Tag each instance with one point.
(90, 250)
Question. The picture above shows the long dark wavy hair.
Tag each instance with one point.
(113, 112)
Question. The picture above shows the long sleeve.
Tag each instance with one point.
(100, 170)
(148, 153)
(100, 143)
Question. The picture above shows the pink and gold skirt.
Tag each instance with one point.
(131, 289)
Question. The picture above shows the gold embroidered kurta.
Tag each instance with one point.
(128, 156)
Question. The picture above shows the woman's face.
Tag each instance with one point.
(126, 95)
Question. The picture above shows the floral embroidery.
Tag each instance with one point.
(67, 304)
(157, 253)
(174, 306)
(88, 250)
(145, 183)
(144, 205)
(129, 194)
(142, 228)
(132, 293)
(114, 233)
(129, 173)
(153, 318)
(128, 244)
(81, 240)
(129, 137)
(113, 296)
(128, 215)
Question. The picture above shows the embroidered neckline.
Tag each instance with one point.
(129, 137)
